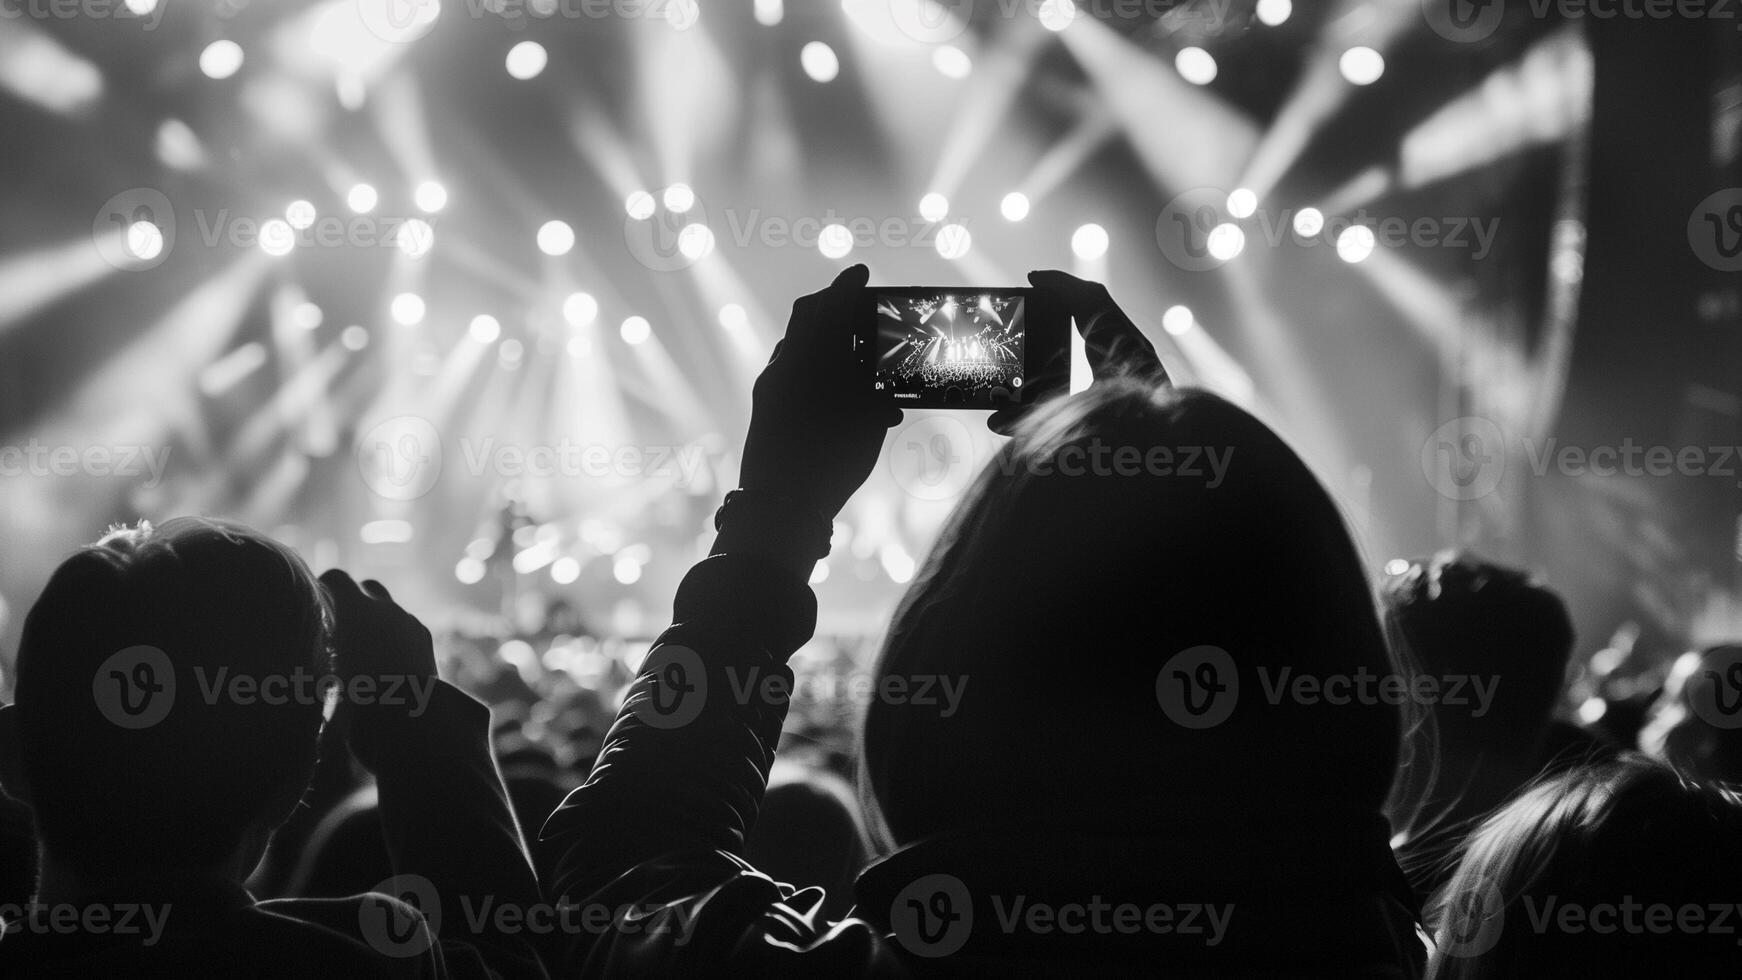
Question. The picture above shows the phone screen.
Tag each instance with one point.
(950, 348)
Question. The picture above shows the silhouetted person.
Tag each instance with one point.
(808, 832)
(1496, 642)
(1619, 870)
(168, 707)
(1115, 790)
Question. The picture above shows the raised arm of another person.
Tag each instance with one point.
(655, 835)
(450, 831)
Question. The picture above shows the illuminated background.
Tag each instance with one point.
(587, 212)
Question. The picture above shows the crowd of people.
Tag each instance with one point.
(1118, 725)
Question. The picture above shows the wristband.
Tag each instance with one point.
(758, 514)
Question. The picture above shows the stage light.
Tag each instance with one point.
(835, 241)
(565, 570)
(580, 309)
(407, 309)
(362, 198)
(354, 337)
(734, 317)
(1592, 710)
(819, 62)
(769, 12)
(934, 206)
(1225, 241)
(1089, 242)
(485, 328)
(897, 562)
(1355, 244)
(951, 61)
(626, 570)
(1177, 320)
(1273, 12)
(1397, 566)
(144, 241)
(1362, 65)
(1056, 15)
(1014, 207)
(277, 238)
(679, 198)
(695, 241)
(308, 316)
(141, 8)
(221, 59)
(527, 59)
(511, 353)
(1309, 222)
(954, 241)
(415, 238)
(635, 330)
(1195, 65)
(430, 197)
(469, 570)
(300, 214)
(640, 205)
(555, 238)
(1242, 203)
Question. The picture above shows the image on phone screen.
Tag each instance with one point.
(951, 349)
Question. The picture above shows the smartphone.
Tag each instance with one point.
(958, 346)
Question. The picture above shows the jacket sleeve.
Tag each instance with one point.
(451, 834)
(644, 855)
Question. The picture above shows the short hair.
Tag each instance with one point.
(1459, 614)
(219, 601)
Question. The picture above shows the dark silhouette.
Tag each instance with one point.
(1070, 602)
(1502, 640)
(1623, 869)
(166, 723)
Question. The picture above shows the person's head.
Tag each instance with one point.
(1119, 528)
(1460, 616)
(144, 737)
(1613, 870)
(1692, 724)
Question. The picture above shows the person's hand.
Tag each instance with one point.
(1114, 345)
(373, 636)
(816, 425)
